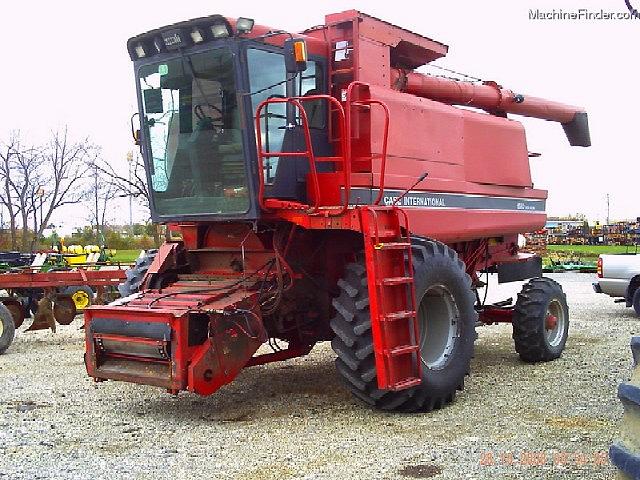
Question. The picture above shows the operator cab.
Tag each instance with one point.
(199, 84)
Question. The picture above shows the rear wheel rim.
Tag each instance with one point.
(438, 316)
(554, 335)
(1, 327)
(81, 299)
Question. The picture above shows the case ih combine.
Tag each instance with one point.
(326, 190)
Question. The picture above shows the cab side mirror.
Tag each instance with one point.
(135, 132)
(295, 55)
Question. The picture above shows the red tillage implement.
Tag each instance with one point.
(55, 304)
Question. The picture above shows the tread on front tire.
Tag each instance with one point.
(535, 340)
(136, 274)
(636, 301)
(437, 270)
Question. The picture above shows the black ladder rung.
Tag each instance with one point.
(390, 281)
(392, 316)
(402, 350)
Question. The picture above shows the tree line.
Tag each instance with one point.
(36, 180)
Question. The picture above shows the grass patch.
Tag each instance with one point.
(590, 250)
(125, 256)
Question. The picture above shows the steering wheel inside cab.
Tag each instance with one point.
(209, 117)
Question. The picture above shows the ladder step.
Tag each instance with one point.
(392, 316)
(392, 246)
(402, 350)
(407, 383)
(390, 281)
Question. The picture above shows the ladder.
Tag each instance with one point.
(392, 302)
(343, 64)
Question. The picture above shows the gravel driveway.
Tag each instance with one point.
(294, 419)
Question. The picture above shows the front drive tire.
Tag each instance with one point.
(136, 274)
(7, 328)
(445, 303)
(540, 321)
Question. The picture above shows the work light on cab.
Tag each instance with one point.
(140, 51)
(220, 30)
(197, 35)
(244, 25)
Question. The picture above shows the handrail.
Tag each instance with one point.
(346, 153)
(383, 156)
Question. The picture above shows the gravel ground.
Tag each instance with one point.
(294, 419)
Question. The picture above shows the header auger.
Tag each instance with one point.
(322, 190)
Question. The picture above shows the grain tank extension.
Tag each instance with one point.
(319, 188)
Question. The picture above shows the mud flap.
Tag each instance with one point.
(232, 342)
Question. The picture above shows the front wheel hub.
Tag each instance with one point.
(555, 322)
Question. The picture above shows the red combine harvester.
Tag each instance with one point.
(326, 190)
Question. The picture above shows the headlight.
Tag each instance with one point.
(140, 51)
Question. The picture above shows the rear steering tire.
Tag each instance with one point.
(446, 320)
(636, 301)
(7, 328)
(625, 452)
(540, 321)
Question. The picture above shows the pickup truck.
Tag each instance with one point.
(619, 277)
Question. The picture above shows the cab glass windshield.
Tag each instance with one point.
(192, 125)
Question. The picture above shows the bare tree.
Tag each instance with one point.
(7, 166)
(130, 184)
(102, 191)
(62, 174)
(24, 181)
(35, 181)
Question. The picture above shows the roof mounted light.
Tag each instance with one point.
(244, 25)
(220, 30)
(140, 51)
(197, 35)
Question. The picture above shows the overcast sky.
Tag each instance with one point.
(66, 63)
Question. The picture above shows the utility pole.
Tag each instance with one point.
(95, 189)
(608, 209)
(130, 161)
